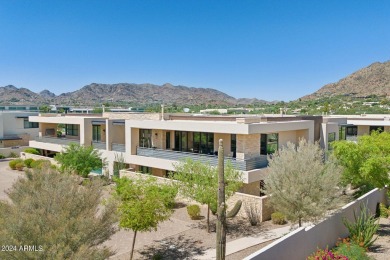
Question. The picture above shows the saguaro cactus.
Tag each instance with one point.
(221, 212)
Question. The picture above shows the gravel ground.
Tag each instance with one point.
(193, 241)
(381, 248)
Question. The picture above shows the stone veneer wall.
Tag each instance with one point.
(135, 116)
(260, 202)
(248, 146)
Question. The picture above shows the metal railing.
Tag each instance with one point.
(99, 145)
(239, 164)
(118, 147)
(57, 140)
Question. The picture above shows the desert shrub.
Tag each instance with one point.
(383, 211)
(351, 250)
(253, 214)
(235, 209)
(12, 164)
(19, 166)
(28, 162)
(59, 204)
(2, 156)
(13, 155)
(40, 164)
(363, 229)
(326, 254)
(31, 150)
(278, 218)
(193, 211)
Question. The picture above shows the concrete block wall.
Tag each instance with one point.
(248, 146)
(302, 242)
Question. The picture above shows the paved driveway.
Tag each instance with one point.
(7, 178)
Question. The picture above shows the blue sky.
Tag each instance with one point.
(273, 50)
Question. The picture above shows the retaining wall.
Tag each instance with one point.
(302, 242)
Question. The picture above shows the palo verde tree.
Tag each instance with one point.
(366, 162)
(79, 159)
(199, 182)
(300, 184)
(143, 204)
(56, 217)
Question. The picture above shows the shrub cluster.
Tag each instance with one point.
(40, 164)
(31, 150)
(193, 211)
(384, 212)
(326, 254)
(252, 213)
(16, 164)
(28, 162)
(351, 250)
(2, 156)
(278, 218)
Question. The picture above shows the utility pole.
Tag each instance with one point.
(221, 211)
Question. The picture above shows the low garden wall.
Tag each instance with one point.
(25, 156)
(302, 242)
(259, 202)
(17, 149)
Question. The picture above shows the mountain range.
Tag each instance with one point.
(126, 93)
(371, 80)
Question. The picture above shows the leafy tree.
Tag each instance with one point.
(79, 159)
(199, 182)
(52, 212)
(144, 203)
(367, 162)
(300, 184)
(45, 108)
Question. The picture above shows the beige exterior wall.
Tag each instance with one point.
(226, 143)
(363, 130)
(287, 136)
(132, 115)
(118, 134)
(158, 138)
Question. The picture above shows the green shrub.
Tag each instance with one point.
(13, 155)
(351, 250)
(19, 166)
(12, 164)
(253, 213)
(278, 218)
(383, 211)
(2, 156)
(193, 211)
(32, 151)
(326, 254)
(41, 164)
(363, 229)
(28, 162)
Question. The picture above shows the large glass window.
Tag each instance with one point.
(145, 138)
(376, 128)
(269, 143)
(72, 130)
(352, 130)
(168, 140)
(195, 142)
(145, 169)
(96, 133)
(233, 144)
(28, 124)
(342, 133)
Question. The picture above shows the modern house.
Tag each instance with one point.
(152, 143)
(16, 129)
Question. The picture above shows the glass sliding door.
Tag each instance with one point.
(145, 138)
(96, 133)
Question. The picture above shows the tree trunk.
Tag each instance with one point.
(221, 215)
(300, 222)
(132, 246)
(208, 218)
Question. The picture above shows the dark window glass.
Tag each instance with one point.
(168, 140)
(269, 143)
(376, 128)
(351, 130)
(72, 130)
(233, 144)
(28, 124)
(342, 133)
(145, 138)
(96, 133)
(331, 138)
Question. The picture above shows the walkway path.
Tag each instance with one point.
(245, 242)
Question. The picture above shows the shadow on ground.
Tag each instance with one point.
(383, 231)
(173, 248)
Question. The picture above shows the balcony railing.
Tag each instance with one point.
(239, 164)
(118, 147)
(99, 145)
(57, 140)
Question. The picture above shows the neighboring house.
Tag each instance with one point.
(150, 145)
(16, 129)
